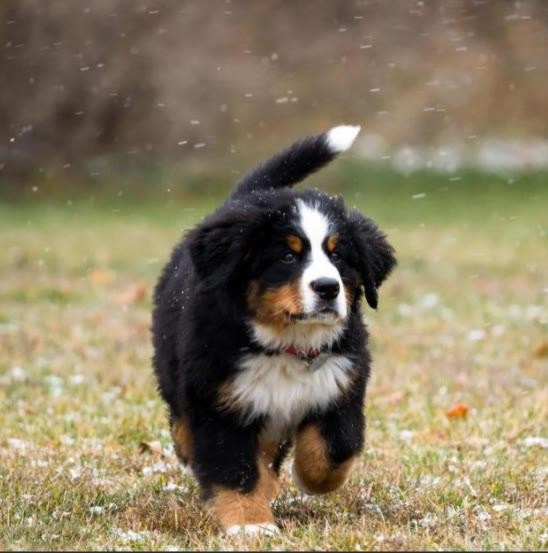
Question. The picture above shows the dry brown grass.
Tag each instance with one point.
(462, 320)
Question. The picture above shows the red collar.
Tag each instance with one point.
(304, 354)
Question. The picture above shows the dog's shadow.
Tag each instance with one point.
(295, 508)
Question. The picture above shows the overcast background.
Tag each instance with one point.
(88, 84)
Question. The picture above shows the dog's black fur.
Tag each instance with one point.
(203, 312)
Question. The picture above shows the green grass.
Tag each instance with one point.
(463, 319)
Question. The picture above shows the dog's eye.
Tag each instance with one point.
(335, 256)
(289, 257)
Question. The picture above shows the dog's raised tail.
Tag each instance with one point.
(299, 160)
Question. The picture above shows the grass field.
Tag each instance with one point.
(85, 456)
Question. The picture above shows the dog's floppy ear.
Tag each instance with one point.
(219, 244)
(374, 255)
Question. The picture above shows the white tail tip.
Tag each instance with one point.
(340, 138)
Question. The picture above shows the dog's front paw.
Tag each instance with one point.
(265, 529)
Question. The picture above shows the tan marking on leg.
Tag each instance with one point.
(268, 450)
(274, 306)
(295, 243)
(331, 243)
(182, 440)
(233, 508)
(267, 454)
(312, 466)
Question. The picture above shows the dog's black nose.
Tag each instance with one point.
(326, 288)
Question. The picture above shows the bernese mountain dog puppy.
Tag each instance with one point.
(259, 340)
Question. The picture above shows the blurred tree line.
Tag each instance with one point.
(170, 79)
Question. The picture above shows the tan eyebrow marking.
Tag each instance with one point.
(295, 243)
(331, 243)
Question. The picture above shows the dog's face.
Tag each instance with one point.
(303, 274)
(301, 262)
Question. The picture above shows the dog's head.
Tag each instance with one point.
(299, 261)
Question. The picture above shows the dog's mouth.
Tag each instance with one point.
(323, 315)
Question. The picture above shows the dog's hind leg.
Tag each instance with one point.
(182, 441)
(271, 456)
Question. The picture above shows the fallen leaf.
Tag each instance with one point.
(151, 447)
(101, 276)
(458, 410)
(132, 294)
(542, 349)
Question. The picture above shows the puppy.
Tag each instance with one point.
(259, 343)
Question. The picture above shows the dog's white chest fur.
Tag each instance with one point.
(285, 389)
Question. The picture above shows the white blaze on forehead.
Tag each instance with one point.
(315, 226)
